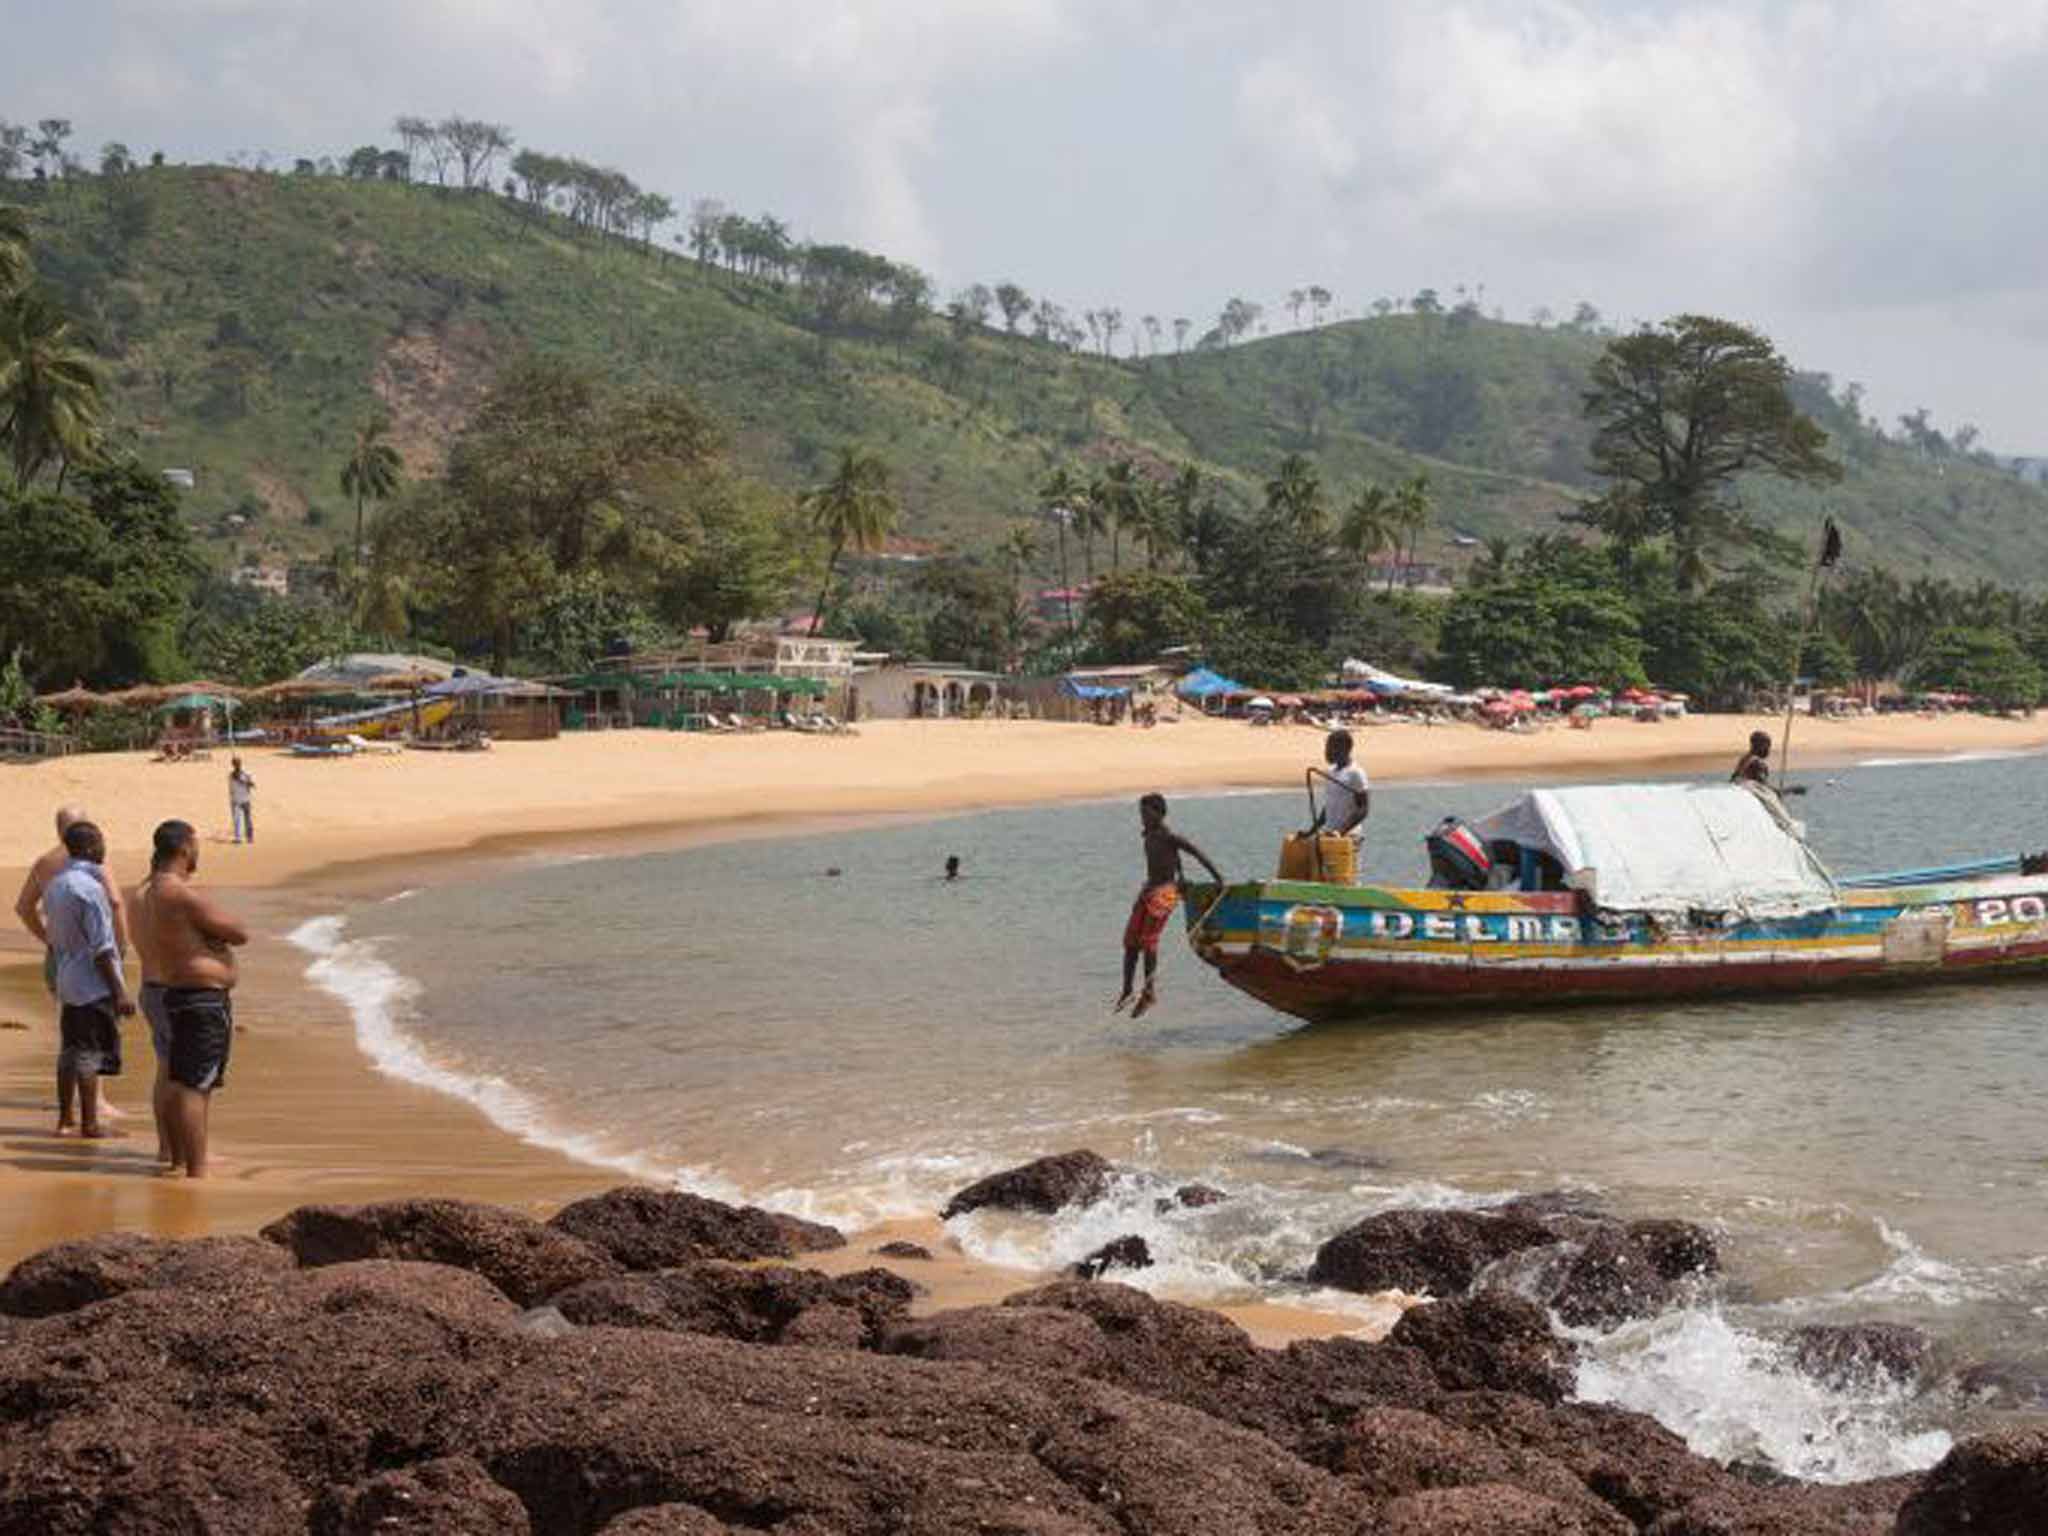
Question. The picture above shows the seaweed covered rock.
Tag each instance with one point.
(1007, 1337)
(731, 1301)
(1492, 1340)
(76, 1274)
(1490, 1509)
(1047, 1185)
(1677, 1250)
(1127, 1252)
(648, 1229)
(452, 1496)
(1994, 1485)
(1607, 1281)
(1859, 1354)
(526, 1260)
(675, 1520)
(902, 1249)
(1435, 1252)
(121, 1474)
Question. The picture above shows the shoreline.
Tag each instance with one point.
(309, 1118)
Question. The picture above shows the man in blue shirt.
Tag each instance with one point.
(79, 919)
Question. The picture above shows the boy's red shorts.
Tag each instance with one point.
(1149, 915)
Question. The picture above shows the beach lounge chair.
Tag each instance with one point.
(382, 748)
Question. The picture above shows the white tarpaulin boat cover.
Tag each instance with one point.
(1671, 849)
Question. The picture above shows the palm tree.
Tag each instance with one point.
(50, 390)
(1116, 494)
(13, 247)
(1370, 525)
(1020, 547)
(1091, 519)
(1295, 495)
(1411, 506)
(854, 507)
(1155, 521)
(1492, 565)
(1061, 493)
(370, 472)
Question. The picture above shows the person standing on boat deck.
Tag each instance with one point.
(1156, 900)
(1347, 793)
(241, 802)
(1755, 767)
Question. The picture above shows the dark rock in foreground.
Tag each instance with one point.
(1195, 1197)
(1492, 1340)
(1608, 1281)
(1435, 1252)
(1860, 1354)
(646, 1229)
(72, 1275)
(529, 1262)
(1127, 1252)
(754, 1306)
(1993, 1486)
(1048, 1185)
(206, 1395)
(1677, 1250)
(453, 1496)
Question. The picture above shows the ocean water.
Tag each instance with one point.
(853, 1046)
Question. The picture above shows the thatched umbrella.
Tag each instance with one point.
(292, 688)
(76, 699)
(402, 682)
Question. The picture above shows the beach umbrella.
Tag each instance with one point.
(1289, 701)
(1259, 701)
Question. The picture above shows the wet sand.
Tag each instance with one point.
(304, 1118)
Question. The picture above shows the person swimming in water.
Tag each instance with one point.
(1156, 900)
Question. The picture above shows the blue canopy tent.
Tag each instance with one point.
(1080, 690)
(1205, 684)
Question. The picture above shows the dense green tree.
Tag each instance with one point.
(371, 470)
(1535, 630)
(855, 508)
(1136, 615)
(1371, 526)
(1988, 664)
(558, 473)
(967, 613)
(248, 636)
(94, 582)
(742, 557)
(1680, 410)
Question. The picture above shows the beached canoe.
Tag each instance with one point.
(385, 720)
(1669, 892)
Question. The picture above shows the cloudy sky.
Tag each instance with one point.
(1861, 178)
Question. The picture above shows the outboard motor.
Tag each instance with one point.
(1458, 860)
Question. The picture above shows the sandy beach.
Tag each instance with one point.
(306, 1119)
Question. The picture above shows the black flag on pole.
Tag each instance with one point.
(1830, 545)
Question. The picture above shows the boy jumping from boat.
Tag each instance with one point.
(1156, 900)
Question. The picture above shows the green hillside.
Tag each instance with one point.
(250, 321)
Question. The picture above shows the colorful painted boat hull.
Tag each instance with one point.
(385, 720)
(1322, 951)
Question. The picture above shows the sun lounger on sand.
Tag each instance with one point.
(382, 748)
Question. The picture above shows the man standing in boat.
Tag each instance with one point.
(1347, 793)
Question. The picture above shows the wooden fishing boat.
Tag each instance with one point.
(1670, 892)
(384, 720)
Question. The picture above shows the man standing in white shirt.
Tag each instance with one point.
(241, 802)
(1347, 794)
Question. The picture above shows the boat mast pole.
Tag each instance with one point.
(1830, 552)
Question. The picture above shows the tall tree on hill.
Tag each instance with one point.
(371, 471)
(474, 144)
(1014, 302)
(414, 134)
(854, 508)
(1680, 410)
(51, 394)
(1295, 496)
(1061, 495)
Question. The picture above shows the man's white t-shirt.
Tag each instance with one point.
(1342, 792)
(239, 787)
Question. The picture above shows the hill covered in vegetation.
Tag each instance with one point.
(251, 322)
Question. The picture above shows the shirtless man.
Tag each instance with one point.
(187, 943)
(1755, 767)
(28, 906)
(1157, 898)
